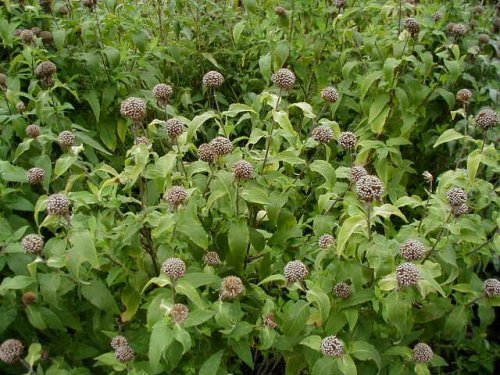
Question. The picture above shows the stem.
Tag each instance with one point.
(462, 151)
(368, 220)
(237, 197)
(159, 9)
(219, 115)
(182, 165)
(28, 367)
(99, 33)
(269, 140)
(484, 141)
(209, 180)
(399, 20)
(290, 32)
(426, 207)
(481, 246)
(438, 237)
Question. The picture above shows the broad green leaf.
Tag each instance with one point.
(273, 278)
(283, 121)
(237, 30)
(99, 295)
(448, 136)
(212, 364)
(93, 99)
(211, 58)
(63, 163)
(386, 210)
(183, 337)
(238, 239)
(161, 338)
(197, 122)
(9, 172)
(237, 108)
(265, 66)
(422, 369)
(34, 354)
(190, 226)
(314, 342)
(254, 194)
(319, 297)
(306, 108)
(325, 366)
(15, 283)
(347, 229)
(326, 170)
(473, 164)
(347, 366)
(83, 247)
(379, 111)
(88, 140)
(186, 289)
(364, 351)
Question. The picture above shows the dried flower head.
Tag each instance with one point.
(3, 82)
(463, 209)
(491, 288)
(487, 118)
(269, 321)
(437, 16)
(212, 258)
(357, 172)
(27, 36)
(176, 195)
(174, 128)
(407, 274)
(142, 140)
(232, 287)
(280, 11)
(412, 26)
(45, 69)
(459, 30)
(174, 268)
(295, 271)
(133, 108)
(330, 94)
(118, 341)
(450, 27)
(213, 79)
(91, 4)
(284, 79)
(221, 146)
(179, 313)
(63, 10)
(33, 243)
(422, 353)
(464, 95)
(342, 290)
(46, 37)
(428, 177)
(484, 38)
(456, 196)
(66, 139)
(206, 153)
(124, 354)
(322, 134)
(11, 351)
(20, 107)
(326, 240)
(412, 250)
(33, 131)
(340, 3)
(162, 93)
(369, 188)
(58, 205)
(242, 170)
(35, 176)
(331, 346)
(348, 140)
(29, 298)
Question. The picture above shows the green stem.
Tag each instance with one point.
(426, 207)
(368, 220)
(237, 197)
(182, 164)
(269, 140)
(441, 232)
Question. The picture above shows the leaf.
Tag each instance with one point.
(326, 170)
(83, 247)
(347, 366)
(283, 121)
(212, 364)
(92, 98)
(237, 108)
(197, 122)
(422, 369)
(265, 66)
(161, 338)
(237, 30)
(319, 297)
(389, 65)
(15, 283)
(386, 210)
(99, 295)
(272, 278)
(325, 366)
(448, 136)
(212, 60)
(8, 172)
(91, 142)
(63, 163)
(314, 342)
(238, 238)
(378, 113)
(23, 147)
(348, 227)
(34, 354)
(255, 195)
(368, 82)
(365, 351)
(186, 289)
(473, 161)
(242, 349)
(306, 108)
(190, 226)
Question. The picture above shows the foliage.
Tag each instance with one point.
(101, 272)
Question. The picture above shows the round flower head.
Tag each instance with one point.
(422, 353)
(206, 153)
(340, 3)
(407, 274)
(270, 322)
(11, 351)
(357, 172)
(486, 118)
(91, 4)
(463, 209)
(369, 188)
(174, 128)
(213, 79)
(174, 268)
(134, 109)
(162, 94)
(412, 26)
(179, 313)
(330, 94)
(280, 11)
(231, 287)
(66, 139)
(35, 176)
(33, 243)
(437, 16)
(325, 241)
(29, 298)
(212, 258)
(348, 140)
(221, 146)
(27, 36)
(450, 27)
(342, 290)
(118, 341)
(142, 140)
(412, 250)
(459, 30)
(3, 82)
(322, 134)
(58, 205)
(124, 354)
(45, 69)
(63, 10)
(456, 196)
(491, 288)
(20, 107)
(295, 271)
(331, 346)
(33, 131)
(428, 177)
(46, 37)
(464, 95)
(242, 170)
(284, 79)
(484, 38)
(175, 196)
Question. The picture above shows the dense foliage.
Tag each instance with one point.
(249, 187)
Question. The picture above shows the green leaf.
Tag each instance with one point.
(91, 142)
(318, 296)
(368, 81)
(186, 289)
(15, 283)
(237, 108)
(211, 58)
(99, 295)
(255, 195)
(238, 238)
(379, 111)
(365, 351)
(422, 369)
(283, 121)
(325, 366)
(63, 163)
(212, 364)
(93, 99)
(272, 278)
(242, 349)
(347, 366)
(326, 170)
(11, 173)
(83, 247)
(314, 342)
(347, 229)
(473, 161)
(448, 136)
(183, 337)
(265, 66)
(306, 108)
(389, 65)
(161, 338)
(190, 226)
(386, 210)
(23, 147)
(237, 30)
(34, 354)
(197, 122)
